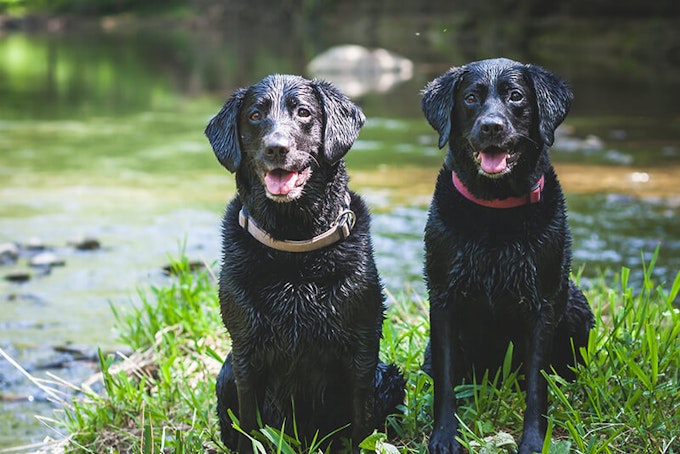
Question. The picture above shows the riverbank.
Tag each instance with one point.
(162, 396)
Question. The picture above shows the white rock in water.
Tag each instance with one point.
(47, 259)
(356, 70)
(9, 253)
(34, 244)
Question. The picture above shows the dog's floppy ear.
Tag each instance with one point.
(553, 99)
(437, 102)
(342, 120)
(222, 132)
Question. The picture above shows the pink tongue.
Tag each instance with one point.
(280, 182)
(493, 162)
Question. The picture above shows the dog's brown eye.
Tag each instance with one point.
(471, 98)
(516, 96)
(256, 116)
(304, 113)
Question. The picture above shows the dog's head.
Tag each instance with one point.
(496, 114)
(282, 129)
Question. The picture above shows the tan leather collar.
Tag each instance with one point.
(339, 230)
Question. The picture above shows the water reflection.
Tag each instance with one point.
(398, 243)
(610, 230)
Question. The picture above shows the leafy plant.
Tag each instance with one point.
(626, 397)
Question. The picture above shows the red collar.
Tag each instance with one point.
(510, 202)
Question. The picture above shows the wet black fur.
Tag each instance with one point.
(305, 327)
(499, 275)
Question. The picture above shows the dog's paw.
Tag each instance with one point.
(444, 442)
(530, 445)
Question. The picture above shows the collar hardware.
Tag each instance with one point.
(340, 229)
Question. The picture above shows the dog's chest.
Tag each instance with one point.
(494, 274)
(297, 304)
(302, 312)
(291, 314)
(506, 270)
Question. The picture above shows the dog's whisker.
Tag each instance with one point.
(472, 145)
(313, 159)
(529, 139)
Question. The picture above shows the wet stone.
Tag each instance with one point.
(46, 259)
(171, 270)
(85, 244)
(18, 277)
(34, 244)
(9, 253)
(26, 298)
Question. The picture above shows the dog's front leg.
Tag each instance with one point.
(363, 393)
(446, 367)
(537, 359)
(251, 389)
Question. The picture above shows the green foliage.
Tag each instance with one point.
(188, 300)
(625, 398)
(269, 439)
(85, 6)
(162, 396)
(627, 393)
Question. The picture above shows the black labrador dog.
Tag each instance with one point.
(299, 291)
(498, 247)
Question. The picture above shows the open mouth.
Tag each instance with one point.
(281, 182)
(495, 161)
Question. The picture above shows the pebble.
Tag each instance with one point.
(46, 259)
(85, 243)
(9, 253)
(592, 143)
(193, 266)
(18, 276)
(38, 256)
(11, 397)
(34, 244)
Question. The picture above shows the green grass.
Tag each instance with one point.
(161, 399)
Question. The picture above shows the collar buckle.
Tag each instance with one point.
(345, 222)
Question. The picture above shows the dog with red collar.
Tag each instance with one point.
(498, 246)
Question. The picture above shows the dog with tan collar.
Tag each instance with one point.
(299, 291)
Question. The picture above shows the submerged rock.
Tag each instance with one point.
(18, 276)
(34, 244)
(85, 243)
(46, 259)
(193, 265)
(9, 253)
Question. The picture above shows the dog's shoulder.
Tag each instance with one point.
(230, 224)
(361, 211)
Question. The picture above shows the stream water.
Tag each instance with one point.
(101, 135)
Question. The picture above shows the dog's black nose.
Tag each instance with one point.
(276, 151)
(491, 126)
(276, 145)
